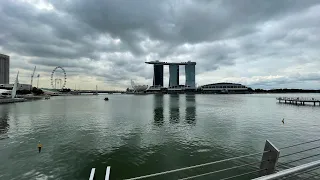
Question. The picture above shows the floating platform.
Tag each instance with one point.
(10, 100)
(298, 101)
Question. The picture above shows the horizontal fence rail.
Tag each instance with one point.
(298, 144)
(290, 171)
(218, 171)
(191, 167)
(266, 171)
(302, 172)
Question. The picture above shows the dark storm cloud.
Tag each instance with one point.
(67, 63)
(112, 39)
(183, 21)
(47, 34)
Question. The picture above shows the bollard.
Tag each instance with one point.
(269, 159)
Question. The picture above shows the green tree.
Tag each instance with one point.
(36, 91)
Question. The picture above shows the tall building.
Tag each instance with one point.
(4, 69)
(190, 75)
(174, 75)
(158, 75)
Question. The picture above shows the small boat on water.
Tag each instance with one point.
(106, 99)
(47, 97)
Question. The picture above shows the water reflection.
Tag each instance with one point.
(191, 109)
(4, 118)
(174, 108)
(158, 110)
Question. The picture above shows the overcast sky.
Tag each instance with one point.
(259, 43)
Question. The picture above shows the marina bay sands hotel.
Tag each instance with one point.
(173, 73)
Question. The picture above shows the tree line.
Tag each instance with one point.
(285, 90)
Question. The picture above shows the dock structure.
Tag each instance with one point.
(298, 100)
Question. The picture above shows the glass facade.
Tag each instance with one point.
(4, 69)
(190, 75)
(174, 80)
(158, 75)
(174, 75)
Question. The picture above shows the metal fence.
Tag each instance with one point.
(268, 164)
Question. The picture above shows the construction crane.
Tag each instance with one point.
(32, 75)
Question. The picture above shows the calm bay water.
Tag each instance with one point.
(142, 134)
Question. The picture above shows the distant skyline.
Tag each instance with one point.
(258, 43)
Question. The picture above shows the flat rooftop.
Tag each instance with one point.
(170, 63)
(3, 55)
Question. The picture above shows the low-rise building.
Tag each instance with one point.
(19, 87)
(224, 88)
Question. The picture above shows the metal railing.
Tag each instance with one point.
(266, 171)
(291, 170)
(285, 173)
(201, 165)
(93, 170)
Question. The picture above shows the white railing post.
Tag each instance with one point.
(269, 159)
(92, 173)
(107, 177)
(107, 173)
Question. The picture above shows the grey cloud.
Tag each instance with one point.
(293, 79)
(112, 39)
(47, 34)
(116, 70)
(189, 21)
(63, 63)
(214, 56)
(309, 77)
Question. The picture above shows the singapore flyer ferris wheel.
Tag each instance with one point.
(61, 80)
